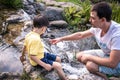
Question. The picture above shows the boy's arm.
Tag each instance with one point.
(23, 58)
(41, 63)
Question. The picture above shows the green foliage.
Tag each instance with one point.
(86, 6)
(77, 15)
(72, 15)
(12, 3)
(25, 76)
(116, 11)
(73, 1)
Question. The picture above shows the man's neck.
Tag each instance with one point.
(105, 28)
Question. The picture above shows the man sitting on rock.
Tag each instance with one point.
(107, 33)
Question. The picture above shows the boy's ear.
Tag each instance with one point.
(42, 28)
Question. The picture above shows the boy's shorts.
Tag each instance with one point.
(103, 69)
(49, 58)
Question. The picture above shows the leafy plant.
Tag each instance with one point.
(77, 15)
(73, 1)
(115, 11)
(25, 76)
(72, 15)
(86, 6)
(12, 3)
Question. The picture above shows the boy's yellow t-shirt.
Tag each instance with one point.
(34, 46)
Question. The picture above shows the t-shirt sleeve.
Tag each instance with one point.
(92, 30)
(115, 44)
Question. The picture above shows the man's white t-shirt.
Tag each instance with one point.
(111, 40)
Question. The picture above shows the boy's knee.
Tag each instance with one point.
(58, 59)
(57, 65)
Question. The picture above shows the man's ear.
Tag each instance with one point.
(103, 19)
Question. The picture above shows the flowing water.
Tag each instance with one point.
(9, 55)
(9, 59)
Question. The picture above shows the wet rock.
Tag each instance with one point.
(19, 17)
(9, 76)
(39, 7)
(73, 77)
(53, 13)
(59, 24)
(30, 9)
(4, 28)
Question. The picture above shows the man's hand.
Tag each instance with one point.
(85, 58)
(54, 41)
(22, 59)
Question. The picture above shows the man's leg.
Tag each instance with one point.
(96, 52)
(93, 68)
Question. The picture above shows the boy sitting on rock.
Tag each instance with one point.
(35, 49)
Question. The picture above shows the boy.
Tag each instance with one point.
(35, 49)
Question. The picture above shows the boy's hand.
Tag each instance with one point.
(22, 58)
(48, 67)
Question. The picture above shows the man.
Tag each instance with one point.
(107, 33)
(35, 49)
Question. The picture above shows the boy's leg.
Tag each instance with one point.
(58, 59)
(57, 66)
(51, 59)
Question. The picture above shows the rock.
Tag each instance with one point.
(59, 24)
(21, 16)
(73, 77)
(53, 13)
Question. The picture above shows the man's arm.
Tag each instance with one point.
(112, 61)
(77, 35)
(74, 36)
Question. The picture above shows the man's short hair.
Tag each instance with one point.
(40, 21)
(103, 9)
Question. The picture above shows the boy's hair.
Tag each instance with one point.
(40, 21)
(103, 9)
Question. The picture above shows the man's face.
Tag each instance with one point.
(95, 20)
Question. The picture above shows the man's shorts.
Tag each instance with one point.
(103, 69)
(49, 58)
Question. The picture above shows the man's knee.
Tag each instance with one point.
(92, 67)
